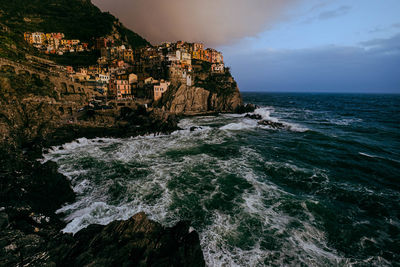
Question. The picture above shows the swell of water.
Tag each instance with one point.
(257, 196)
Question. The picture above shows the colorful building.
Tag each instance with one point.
(121, 89)
(160, 89)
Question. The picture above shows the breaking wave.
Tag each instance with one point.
(257, 196)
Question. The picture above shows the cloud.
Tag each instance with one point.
(384, 29)
(388, 46)
(215, 22)
(371, 67)
(340, 11)
(330, 14)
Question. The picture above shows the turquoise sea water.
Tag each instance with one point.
(323, 191)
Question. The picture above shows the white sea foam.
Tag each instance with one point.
(265, 113)
(345, 121)
(242, 125)
(367, 155)
(149, 169)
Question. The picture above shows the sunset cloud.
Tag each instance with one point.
(215, 22)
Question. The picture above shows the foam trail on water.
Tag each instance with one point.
(197, 175)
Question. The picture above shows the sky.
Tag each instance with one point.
(286, 45)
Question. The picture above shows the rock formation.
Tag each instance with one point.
(204, 97)
(135, 242)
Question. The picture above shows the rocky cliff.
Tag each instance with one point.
(33, 118)
(190, 100)
(211, 93)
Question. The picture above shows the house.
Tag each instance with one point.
(128, 55)
(218, 68)
(120, 89)
(198, 46)
(104, 78)
(150, 80)
(179, 44)
(69, 69)
(184, 57)
(214, 56)
(28, 37)
(38, 37)
(160, 89)
(133, 78)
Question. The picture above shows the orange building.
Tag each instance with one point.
(28, 37)
(121, 89)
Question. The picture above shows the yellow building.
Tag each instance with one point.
(128, 55)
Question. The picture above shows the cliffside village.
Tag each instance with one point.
(123, 74)
(54, 43)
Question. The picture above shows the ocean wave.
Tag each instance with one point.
(242, 125)
(120, 177)
(367, 155)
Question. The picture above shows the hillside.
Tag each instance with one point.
(77, 19)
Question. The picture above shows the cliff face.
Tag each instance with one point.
(196, 100)
(211, 93)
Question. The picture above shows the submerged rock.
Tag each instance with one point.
(246, 108)
(253, 116)
(272, 124)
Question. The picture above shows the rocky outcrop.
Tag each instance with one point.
(31, 192)
(33, 239)
(135, 242)
(190, 100)
(210, 93)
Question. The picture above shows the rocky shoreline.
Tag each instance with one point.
(31, 192)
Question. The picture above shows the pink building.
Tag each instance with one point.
(160, 89)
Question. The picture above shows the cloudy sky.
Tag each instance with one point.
(285, 45)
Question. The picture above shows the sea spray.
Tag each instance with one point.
(257, 196)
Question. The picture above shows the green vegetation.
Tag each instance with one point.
(77, 19)
(21, 85)
(23, 121)
(220, 83)
(83, 59)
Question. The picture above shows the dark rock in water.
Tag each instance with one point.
(253, 116)
(194, 128)
(272, 124)
(246, 108)
(135, 242)
(60, 148)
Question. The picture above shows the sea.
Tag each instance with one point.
(321, 190)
